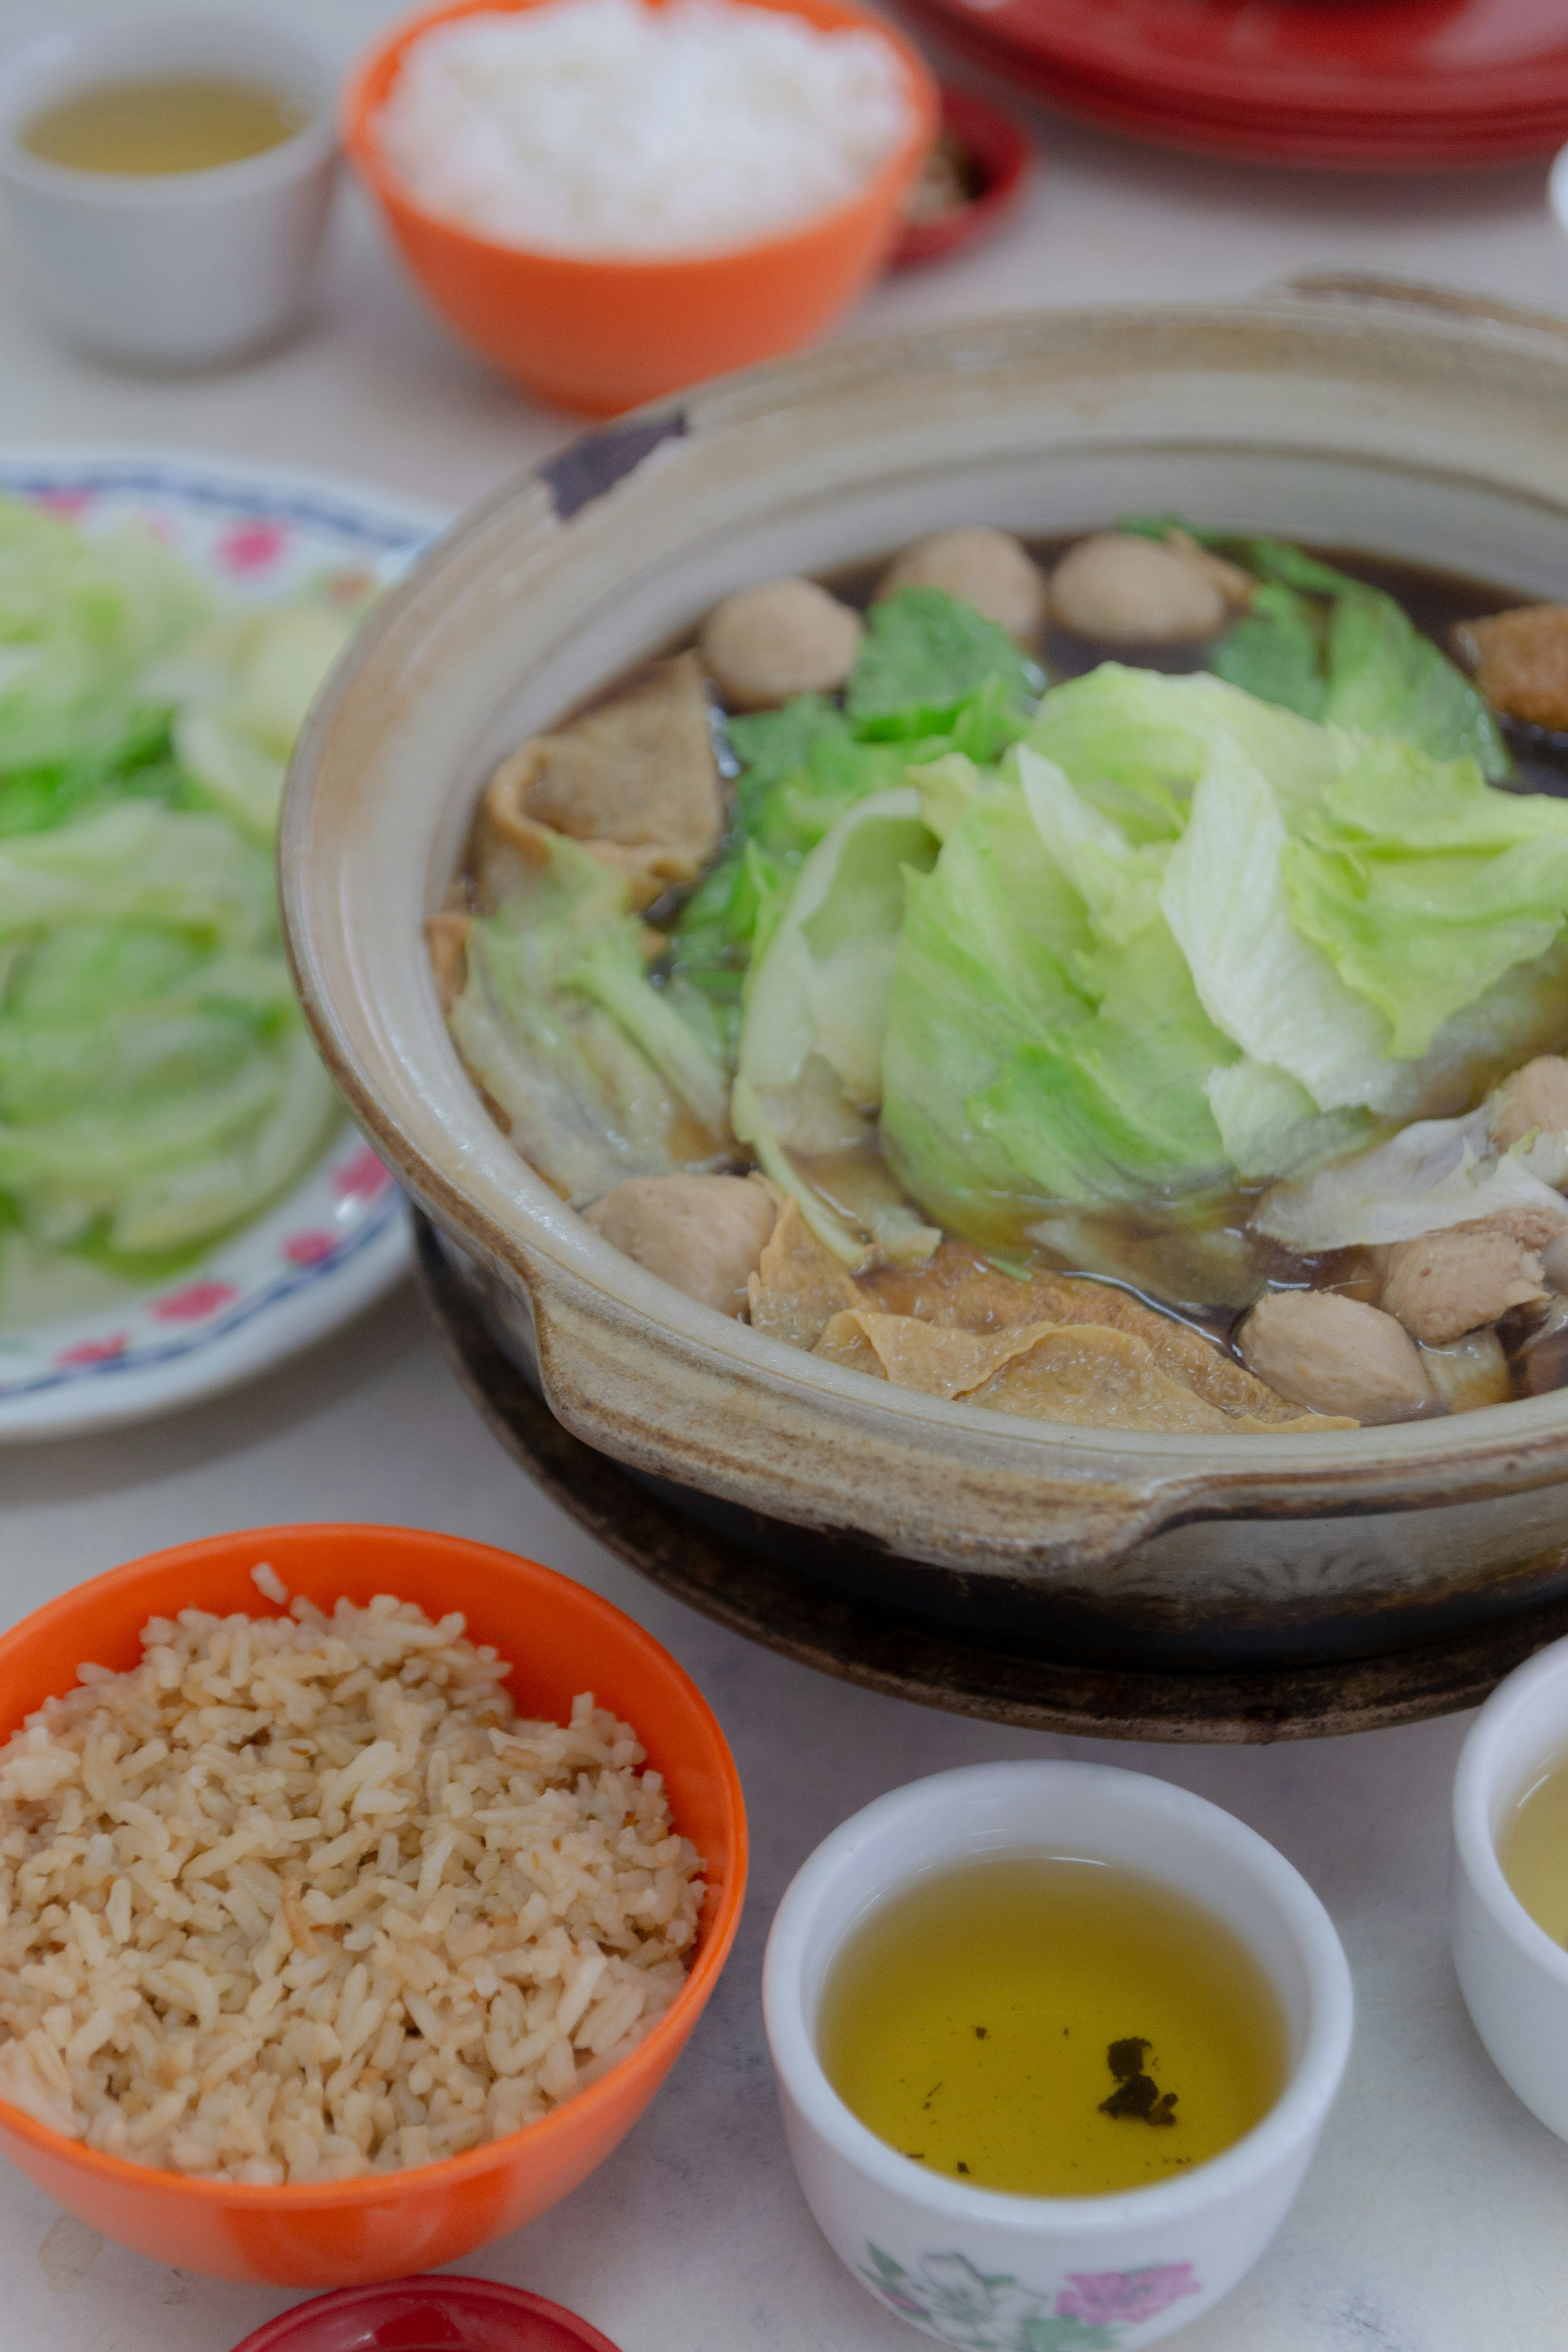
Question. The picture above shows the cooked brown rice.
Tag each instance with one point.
(299, 1897)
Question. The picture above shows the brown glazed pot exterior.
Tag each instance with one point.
(1414, 429)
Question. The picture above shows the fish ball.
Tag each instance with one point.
(988, 569)
(784, 638)
(1121, 590)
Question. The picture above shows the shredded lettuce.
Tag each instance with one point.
(157, 1086)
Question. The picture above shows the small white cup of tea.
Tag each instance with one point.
(986, 2267)
(1513, 1974)
(153, 253)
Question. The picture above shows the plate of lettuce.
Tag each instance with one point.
(182, 1200)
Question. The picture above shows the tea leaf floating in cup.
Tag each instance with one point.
(971, 2022)
(187, 123)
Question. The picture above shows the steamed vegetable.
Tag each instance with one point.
(597, 1071)
(934, 677)
(809, 1082)
(1219, 943)
(1342, 652)
(156, 1084)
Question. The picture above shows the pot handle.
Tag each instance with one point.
(1414, 294)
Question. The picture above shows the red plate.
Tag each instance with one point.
(1252, 133)
(999, 149)
(1405, 62)
(428, 2314)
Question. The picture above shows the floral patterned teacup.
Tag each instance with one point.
(996, 2273)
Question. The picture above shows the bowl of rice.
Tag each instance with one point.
(611, 199)
(358, 1889)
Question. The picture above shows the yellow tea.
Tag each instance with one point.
(188, 124)
(1053, 2027)
(1534, 1850)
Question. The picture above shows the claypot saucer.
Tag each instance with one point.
(643, 1522)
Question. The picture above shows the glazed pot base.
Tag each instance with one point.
(739, 1587)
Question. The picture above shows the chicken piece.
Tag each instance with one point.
(702, 1234)
(448, 936)
(1118, 589)
(635, 782)
(1336, 1355)
(1519, 661)
(1532, 1102)
(988, 569)
(1446, 1284)
(788, 636)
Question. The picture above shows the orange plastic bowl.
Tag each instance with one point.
(564, 1639)
(603, 334)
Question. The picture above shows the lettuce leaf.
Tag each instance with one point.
(925, 653)
(1423, 886)
(81, 619)
(1336, 649)
(809, 1079)
(591, 1062)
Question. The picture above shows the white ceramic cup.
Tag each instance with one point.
(989, 2271)
(183, 268)
(1513, 1977)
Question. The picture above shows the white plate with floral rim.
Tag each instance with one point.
(340, 1238)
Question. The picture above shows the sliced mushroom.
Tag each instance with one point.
(1121, 590)
(1519, 661)
(786, 636)
(1469, 1276)
(987, 568)
(1336, 1355)
(635, 782)
(702, 1234)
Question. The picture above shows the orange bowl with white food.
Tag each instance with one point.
(561, 1641)
(601, 332)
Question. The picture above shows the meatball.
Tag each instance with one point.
(784, 638)
(988, 569)
(1333, 1354)
(1534, 1101)
(1468, 1275)
(1121, 590)
(702, 1234)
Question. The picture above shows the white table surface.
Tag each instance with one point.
(1436, 2219)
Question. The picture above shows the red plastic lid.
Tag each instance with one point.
(428, 2314)
(1399, 63)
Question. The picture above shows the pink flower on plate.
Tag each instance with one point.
(93, 1351)
(250, 546)
(1103, 2297)
(196, 1300)
(362, 1178)
(308, 1249)
(68, 503)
